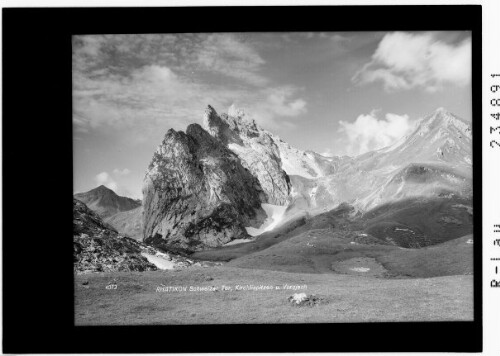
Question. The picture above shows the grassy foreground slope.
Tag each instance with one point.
(420, 222)
(337, 218)
(346, 298)
(332, 241)
(338, 256)
(128, 223)
(322, 251)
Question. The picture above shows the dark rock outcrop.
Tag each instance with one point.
(97, 247)
(197, 194)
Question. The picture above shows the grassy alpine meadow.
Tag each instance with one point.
(227, 295)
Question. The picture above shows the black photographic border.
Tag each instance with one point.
(38, 289)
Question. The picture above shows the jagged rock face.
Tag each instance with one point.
(197, 194)
(97, 247)
(256, 149)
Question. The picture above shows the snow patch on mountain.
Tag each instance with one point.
(238, 241)
(258, 147)
(275, 215)
(159, 261)
(297, 162)
(440, 134)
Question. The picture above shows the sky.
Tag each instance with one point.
(335, 93)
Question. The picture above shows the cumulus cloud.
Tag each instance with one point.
(105, 179)
(273, 105)
(368, 132)
(405, 61)
(142, 99)
(137, 83)
(154, 96)
(122, 172)
(280, 103)
(228, 55)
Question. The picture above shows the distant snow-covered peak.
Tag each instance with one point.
(438, 137)
(442, 123)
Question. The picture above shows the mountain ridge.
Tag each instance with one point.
(105, 202)
(439, 145)
(432, 161)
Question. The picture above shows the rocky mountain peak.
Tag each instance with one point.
(197, 132)
(173, 136)
(106, 202)
(441, 120)
(232, 127)
(103, 189)
(438, 138)
(241, 118)
(214, 124)
(255, 147)
(196, 192)
(210, 114)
